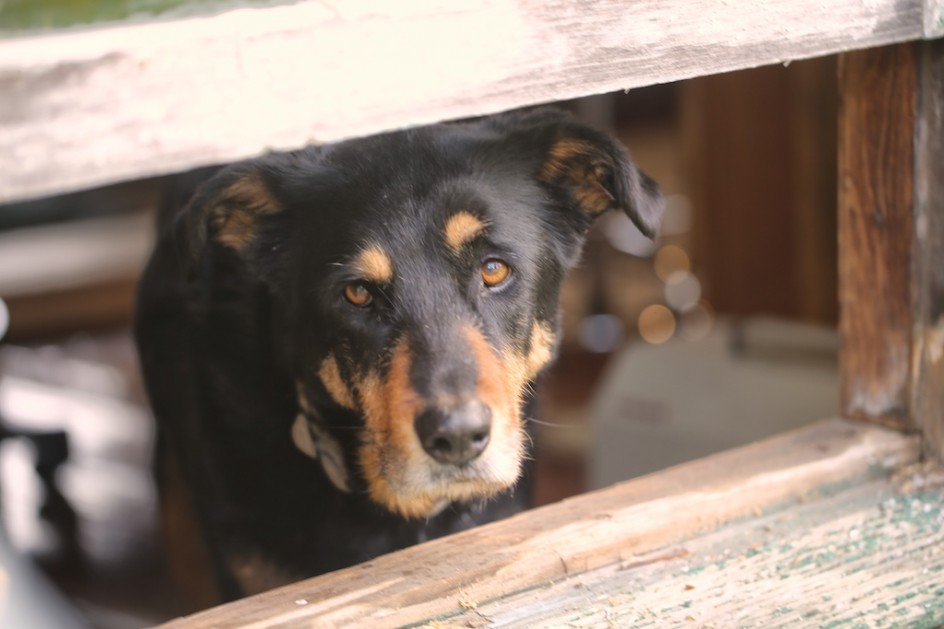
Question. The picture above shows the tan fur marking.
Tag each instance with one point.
(238, 208)
(542, 348)
(501, 384)
(389, 409)
(187, 556)
(563, 154)
(374, 265)
(579, 165)
(461, 228)
(256, 575)
(330, 375)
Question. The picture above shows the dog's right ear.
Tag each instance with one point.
(226, 209)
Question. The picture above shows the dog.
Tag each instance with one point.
(340, 343)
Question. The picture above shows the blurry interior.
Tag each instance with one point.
(719, 333)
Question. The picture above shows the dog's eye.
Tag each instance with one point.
(358, 294)
(495, 272)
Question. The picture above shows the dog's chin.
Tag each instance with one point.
(423, 491)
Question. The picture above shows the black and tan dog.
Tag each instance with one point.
(339, 343)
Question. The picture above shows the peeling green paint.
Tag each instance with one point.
(26, 15)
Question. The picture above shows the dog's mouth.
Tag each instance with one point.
(413, 484)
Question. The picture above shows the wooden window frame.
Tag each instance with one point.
(86, 108)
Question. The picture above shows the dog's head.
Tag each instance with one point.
(418, 273)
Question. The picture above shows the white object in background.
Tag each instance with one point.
(4, 318)
(663, 405)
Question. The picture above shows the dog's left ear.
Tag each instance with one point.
(590, 168)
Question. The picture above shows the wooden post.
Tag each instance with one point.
(891, 237)
(877, 90)
(928, 377)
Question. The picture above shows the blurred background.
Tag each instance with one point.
(719, 333)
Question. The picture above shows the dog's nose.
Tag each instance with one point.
(455, 436)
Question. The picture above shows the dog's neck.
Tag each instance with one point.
(311, 437)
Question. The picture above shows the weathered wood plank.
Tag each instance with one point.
(863, 555)
(928, 377)
(933, 18)
(876, 163)
(88, 108)
(622, 525)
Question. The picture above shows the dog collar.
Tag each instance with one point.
(315, 442)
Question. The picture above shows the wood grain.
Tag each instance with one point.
(928, 376)
(876, 162)
(862, 555)
(620, 526)
(85, 108)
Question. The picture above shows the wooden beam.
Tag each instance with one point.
(620, 526)
(86, 108)
(877, 91)
(891, 237)
(928, 377)
(933, 18)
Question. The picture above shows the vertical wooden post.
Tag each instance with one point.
(928, 376)
(877, 91)
(891, 237)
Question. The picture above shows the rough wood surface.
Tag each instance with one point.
(933, 18)
(876, 161)
(624, 526)
(86, 108)
(928, 384)
(860, 555)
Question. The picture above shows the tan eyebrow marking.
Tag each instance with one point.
(374, 264)
(461, 228)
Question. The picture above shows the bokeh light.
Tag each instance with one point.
(696, 323)
(656, 324)
(682, 291)
(601, 333)
(4, 318)
(671, 259)
(626, 237)
(677, 218)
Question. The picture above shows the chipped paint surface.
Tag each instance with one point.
(866, 554)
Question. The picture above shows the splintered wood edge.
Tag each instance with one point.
(928, 257)
(627, 521)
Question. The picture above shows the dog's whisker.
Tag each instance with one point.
(530, 438)
(541, 422)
